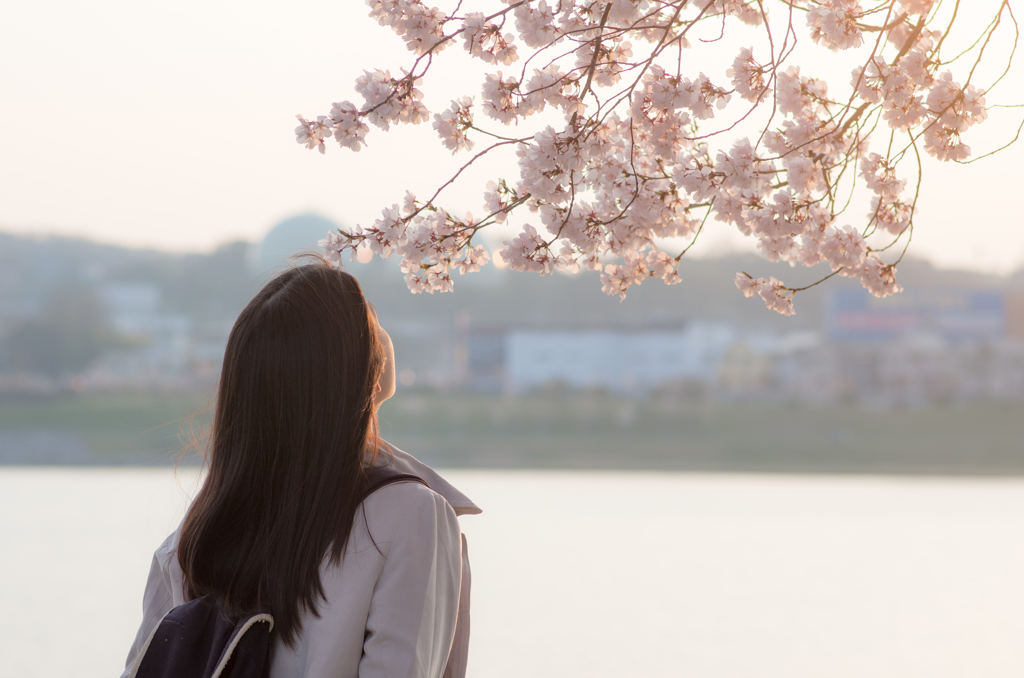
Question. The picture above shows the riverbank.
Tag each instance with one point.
(558, 431)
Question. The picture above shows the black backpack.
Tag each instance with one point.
(197, 639)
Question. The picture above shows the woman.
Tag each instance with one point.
(357, 588)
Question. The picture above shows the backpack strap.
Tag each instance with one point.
(252, 656)
(382, 476)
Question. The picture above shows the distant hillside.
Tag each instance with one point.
(203, 286)
(215, 286)
(503, 297)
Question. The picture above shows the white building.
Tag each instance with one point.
(620, 360)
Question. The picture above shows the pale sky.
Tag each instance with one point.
(171, 126)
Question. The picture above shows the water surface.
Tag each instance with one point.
(596, 574)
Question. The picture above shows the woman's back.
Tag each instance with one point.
(280, 525)
(386, 608)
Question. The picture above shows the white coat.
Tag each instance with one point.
(399, 612)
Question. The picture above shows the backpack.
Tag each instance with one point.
(197, 639)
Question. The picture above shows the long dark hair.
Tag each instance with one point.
(292, 424)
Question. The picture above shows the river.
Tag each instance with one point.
(595, 574)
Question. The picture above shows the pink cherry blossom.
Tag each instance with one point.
(536, 24)
(389, 100)
(877, 277)
(313, 132)
(348, 127)
(333, 245)
(773, 294)
(484, 40)
(527, 252)
(748, 76)
(499, 97)
(917, 6)
(451, 125)
(617, 278)
(843, 248)
(474, 259)
(621, 153)
(748, 285)
(421, 27)
(880, 176)
(663, 266)
(891, 215)
(834, 24)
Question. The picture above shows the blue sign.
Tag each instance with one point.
(952, 313)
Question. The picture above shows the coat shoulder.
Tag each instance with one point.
(404, 462)
(398, 507)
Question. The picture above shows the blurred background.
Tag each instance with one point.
(733, 492)
(679, 484)
(109, 355)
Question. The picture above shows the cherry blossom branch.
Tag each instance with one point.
(1013, 50)
(597, 53)
(639, 149)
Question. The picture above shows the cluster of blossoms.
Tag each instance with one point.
(772, 291)
(432, 244)
(629, 178)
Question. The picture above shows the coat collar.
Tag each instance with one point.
(405, 462)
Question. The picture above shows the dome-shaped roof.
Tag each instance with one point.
(292, 236)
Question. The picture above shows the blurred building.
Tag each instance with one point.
(954, 314)
(619, 360)
(930, 345)
(1015, 307)
(950, 337)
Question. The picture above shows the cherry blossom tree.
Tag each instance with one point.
(625, 149)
